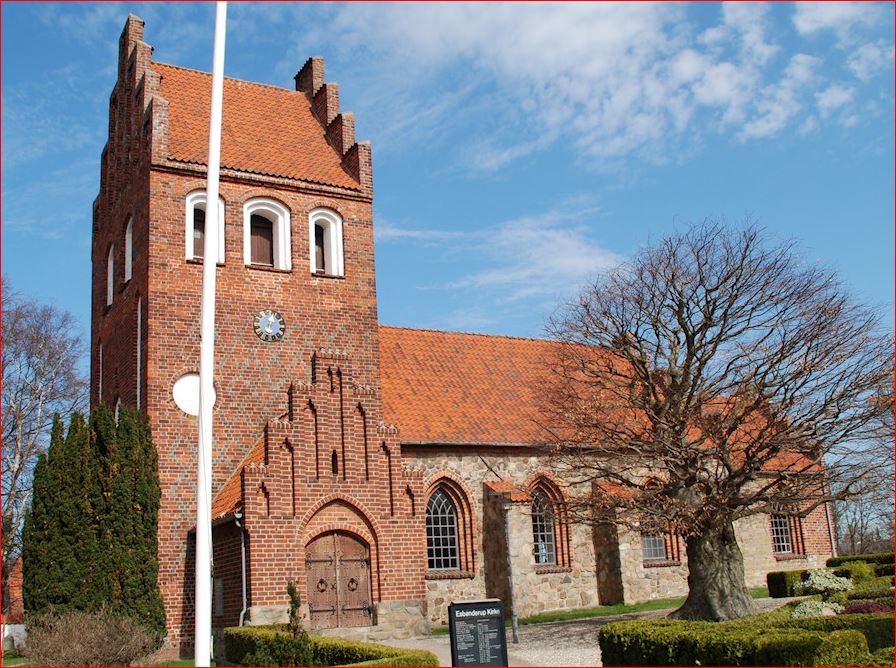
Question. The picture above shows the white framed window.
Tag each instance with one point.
(543, 529)
(325, 242)
(129, 249)
(266, 234)
(782, 534)
(194, 226)
(110, 274)
(653, 547)
(441, 532)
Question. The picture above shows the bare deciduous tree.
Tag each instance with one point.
(41, 352)
(712, 378)
(865, 519)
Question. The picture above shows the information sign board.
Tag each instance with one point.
(477, 633)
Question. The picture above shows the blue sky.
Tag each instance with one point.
(518, 149)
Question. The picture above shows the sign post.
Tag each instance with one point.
(477, 633)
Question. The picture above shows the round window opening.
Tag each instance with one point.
(186, 393)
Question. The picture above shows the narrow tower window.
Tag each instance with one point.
(194, 226)
(129, 250)
(325, 242)
(110, 275)
(334, 463)
(266, 234)
(198, 233)
(262, 241)
(319, 257)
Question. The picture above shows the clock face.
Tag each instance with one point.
(269, 325)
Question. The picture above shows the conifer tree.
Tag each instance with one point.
(37, 587)
(135, 510)
(91, 537)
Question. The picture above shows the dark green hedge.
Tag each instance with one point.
(883, 558)
(885, 569)
(763, 640)
(883, 657)
(680, 643)
(857, 571)
(781, 583)
(877, 628)
(243, 643)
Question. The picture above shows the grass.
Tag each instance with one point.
(604, 610)
(13, 659)
(179, 662)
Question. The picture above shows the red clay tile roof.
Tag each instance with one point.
(509, 490)
(265, 130)
(230, 496)
(450, 387)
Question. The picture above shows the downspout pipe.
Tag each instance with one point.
(239, 524)
(513, 616)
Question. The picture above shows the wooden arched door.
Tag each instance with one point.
(338, 568)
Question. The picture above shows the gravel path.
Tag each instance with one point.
(572, 643)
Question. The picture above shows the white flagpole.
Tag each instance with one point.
(203, 611)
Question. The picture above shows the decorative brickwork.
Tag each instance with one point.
(317, 436)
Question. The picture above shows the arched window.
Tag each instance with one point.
(543, 529)
(325, 242)
(266, 234)
(550, 527)
(442, 551)
(110, 275)
(449, 531)
(129, 249)
(194, 226)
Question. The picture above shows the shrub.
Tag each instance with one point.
(876, 588)
(814, 608)
(680, 643)
(884, 569)
(76, 638)
(866, 607)
(273, 645)
(821, 581)
(881, 558)
(877, 628)
(857, 571)
(883, 657)
(783, 583)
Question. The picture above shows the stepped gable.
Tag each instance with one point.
(452, 387)
(266, 130)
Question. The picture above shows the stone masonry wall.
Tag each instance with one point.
(536, 589)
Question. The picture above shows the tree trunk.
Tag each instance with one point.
(716, 587)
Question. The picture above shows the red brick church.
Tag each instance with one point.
(383, 469)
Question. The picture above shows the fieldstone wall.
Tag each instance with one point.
(755, 540)
(536, 588)
(642, 582)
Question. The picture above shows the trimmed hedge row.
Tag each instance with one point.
(877, 628)
(781, 584)
(763, 640)
(241, 642)
(882, 558)
(885, 569)
(883, 657)
(680, 643)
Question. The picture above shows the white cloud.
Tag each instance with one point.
(832, 98)
(541, 255)
(750, 20)
(779, 103)
(869, 59)
(841, 17)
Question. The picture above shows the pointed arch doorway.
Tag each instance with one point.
(338, 580)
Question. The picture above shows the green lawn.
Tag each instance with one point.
(604, 610)
(179, 662)
(13, 659)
